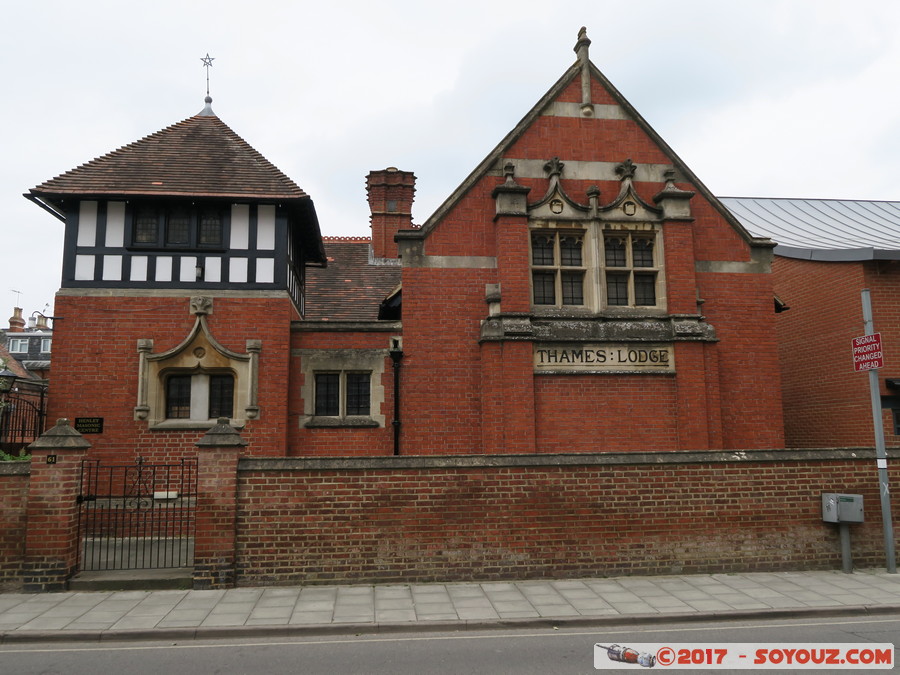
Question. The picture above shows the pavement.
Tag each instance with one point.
(366, 608)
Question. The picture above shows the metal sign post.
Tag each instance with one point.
(880, 452)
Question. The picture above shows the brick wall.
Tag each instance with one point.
(95, 367)
(466, 518)
(825, 401)
(13, 497)
(338, 441)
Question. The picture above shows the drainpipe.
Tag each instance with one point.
(396, 355)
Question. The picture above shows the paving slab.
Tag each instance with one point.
(186, 613)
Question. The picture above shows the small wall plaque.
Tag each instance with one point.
(89, 425)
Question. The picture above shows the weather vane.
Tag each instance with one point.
(207, 63)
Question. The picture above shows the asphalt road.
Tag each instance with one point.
(525, 651)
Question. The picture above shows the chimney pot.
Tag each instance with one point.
(16, 322)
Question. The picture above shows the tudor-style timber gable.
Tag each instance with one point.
(191, 207)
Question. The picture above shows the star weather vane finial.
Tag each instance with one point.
(207, 63)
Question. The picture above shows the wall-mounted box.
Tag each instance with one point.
(842, 508)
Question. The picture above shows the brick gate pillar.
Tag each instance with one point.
(51, 536)
(215, 540)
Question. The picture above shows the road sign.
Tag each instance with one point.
(867, 352)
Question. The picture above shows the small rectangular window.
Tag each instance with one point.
(178, 397)
(542, 248)
(644, 289)
(328, 392)
(572, 288)
(615, 251)
(558, 272)
(17, 345)
(210, 228)
(46, 344)
(178, 227)
(631, 269)
(146, 225)
(343, 394)
(544, 288)
(617, 288)
(358, 393)
(221, 396)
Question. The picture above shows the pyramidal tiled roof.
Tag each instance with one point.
(199, 156)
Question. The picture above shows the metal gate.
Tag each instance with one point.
(137, 516)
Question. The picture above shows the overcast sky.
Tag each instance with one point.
(773, 98)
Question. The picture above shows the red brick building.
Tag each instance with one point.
(575, 357)
(581, 291)
(828, 252)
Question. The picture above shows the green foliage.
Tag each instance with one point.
(21, 457)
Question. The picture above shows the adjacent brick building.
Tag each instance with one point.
(581, 291)
(828, 251)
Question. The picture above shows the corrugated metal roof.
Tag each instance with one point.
(823, 229)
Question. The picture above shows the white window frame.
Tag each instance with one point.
(46, 345)
(14, 345)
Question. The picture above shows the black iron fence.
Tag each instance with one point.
(137, 516)
(23, 415)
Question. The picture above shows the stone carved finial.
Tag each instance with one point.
(509, 170)
(674, 200)
(669, 176)
(554, 167)
(581, 49)
(626, 169)
(510, 196)
(201, 305)
(581, 46)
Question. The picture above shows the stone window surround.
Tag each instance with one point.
(595, 269)
(199, 352)
(342, 361)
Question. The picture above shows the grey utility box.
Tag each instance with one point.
(841, 508)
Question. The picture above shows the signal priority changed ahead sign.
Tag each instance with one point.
(867, 352)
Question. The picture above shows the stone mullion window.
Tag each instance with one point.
(328, 394)
(358, 393)
(199, 396)
(558, 267)
(178, 397)
(631, 269)
(221, 396)
(343, 394)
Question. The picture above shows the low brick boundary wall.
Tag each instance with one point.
(529, 516)
(14, 480)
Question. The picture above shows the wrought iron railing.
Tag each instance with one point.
(137, 516)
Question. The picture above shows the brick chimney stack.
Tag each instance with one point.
(16, 322)
(391, 194)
